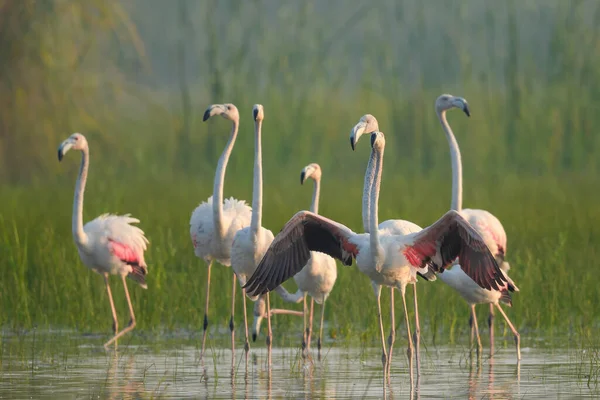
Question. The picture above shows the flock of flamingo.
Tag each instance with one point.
(465, 248)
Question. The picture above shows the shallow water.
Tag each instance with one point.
(46, 366)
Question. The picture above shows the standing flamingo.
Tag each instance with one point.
(488, 226)
(387, 259)
(109, 244)
(214, 222)
(320, 272)
(250, 243)
(367, 124)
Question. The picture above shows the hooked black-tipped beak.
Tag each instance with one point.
(352, 142)
(373, 138)
(63, 148)
(302, 177)
(213, 109)
(466, 110)
(255, 113)
(254, 337)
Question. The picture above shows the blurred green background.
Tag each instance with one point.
(136, 76)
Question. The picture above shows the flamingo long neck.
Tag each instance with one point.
(258, 186)
(77, 225)
(377, 162)
(219, 181)
(456, 163)
(366, 200)
(314, 206)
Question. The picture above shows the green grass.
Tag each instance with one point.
(550, 248)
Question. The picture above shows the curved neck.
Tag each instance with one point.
(77, 223)
(366, 200)
(219, 181)
(257, 188)
(377, 156)
(314, 206)
(456, 163)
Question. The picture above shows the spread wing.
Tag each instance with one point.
(452, 236)
(290, 250)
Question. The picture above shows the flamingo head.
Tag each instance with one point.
(377, 140)
(366, 124)
(76, 142)
(310, 171)
(258, 112)
(227, 111)
(447, 101)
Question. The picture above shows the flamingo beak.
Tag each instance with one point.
(302, 177)
(373, 138)
(466, 109)
(213, 109)
(63, 148)
(356, 133)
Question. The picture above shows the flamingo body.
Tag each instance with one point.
(236, 215)
(247, 251)
(116, 247)
(317, 277)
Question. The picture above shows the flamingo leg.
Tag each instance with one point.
(475, 327)
(232, 324)
(392, 337)
(247, 343)
(491, 328)
(304, 329)
(409, 351)
(377, 289)
(417, 332)
(112, 307)
(514, 331)
(206, 309)
(132, 322)
(310, 323)
(321, 328)
(270, 331)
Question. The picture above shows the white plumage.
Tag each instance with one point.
(103, 257)
(109, 244)
(487, 225)
(391, 260)
(214, 222)
(236, 215)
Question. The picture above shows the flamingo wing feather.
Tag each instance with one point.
(290, 250)
(438, 245)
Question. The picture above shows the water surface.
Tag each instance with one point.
(47, 365)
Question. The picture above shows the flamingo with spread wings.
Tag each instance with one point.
(387, 259)
(109, 244)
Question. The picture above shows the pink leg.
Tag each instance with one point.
(491, 328)
(112, 307)
(206, 308)
(270, 333)
(132, 315)
(514, 331)
(232, 324)
(475, 327)
(310, 323)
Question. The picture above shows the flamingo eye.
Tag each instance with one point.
(76, 138)
(229, 107)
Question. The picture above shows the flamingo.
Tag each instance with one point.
(250, 244)
(319, 274)
(214, 222)
(488, 226)
(367, 124)
(387, 259)
(109, 244)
